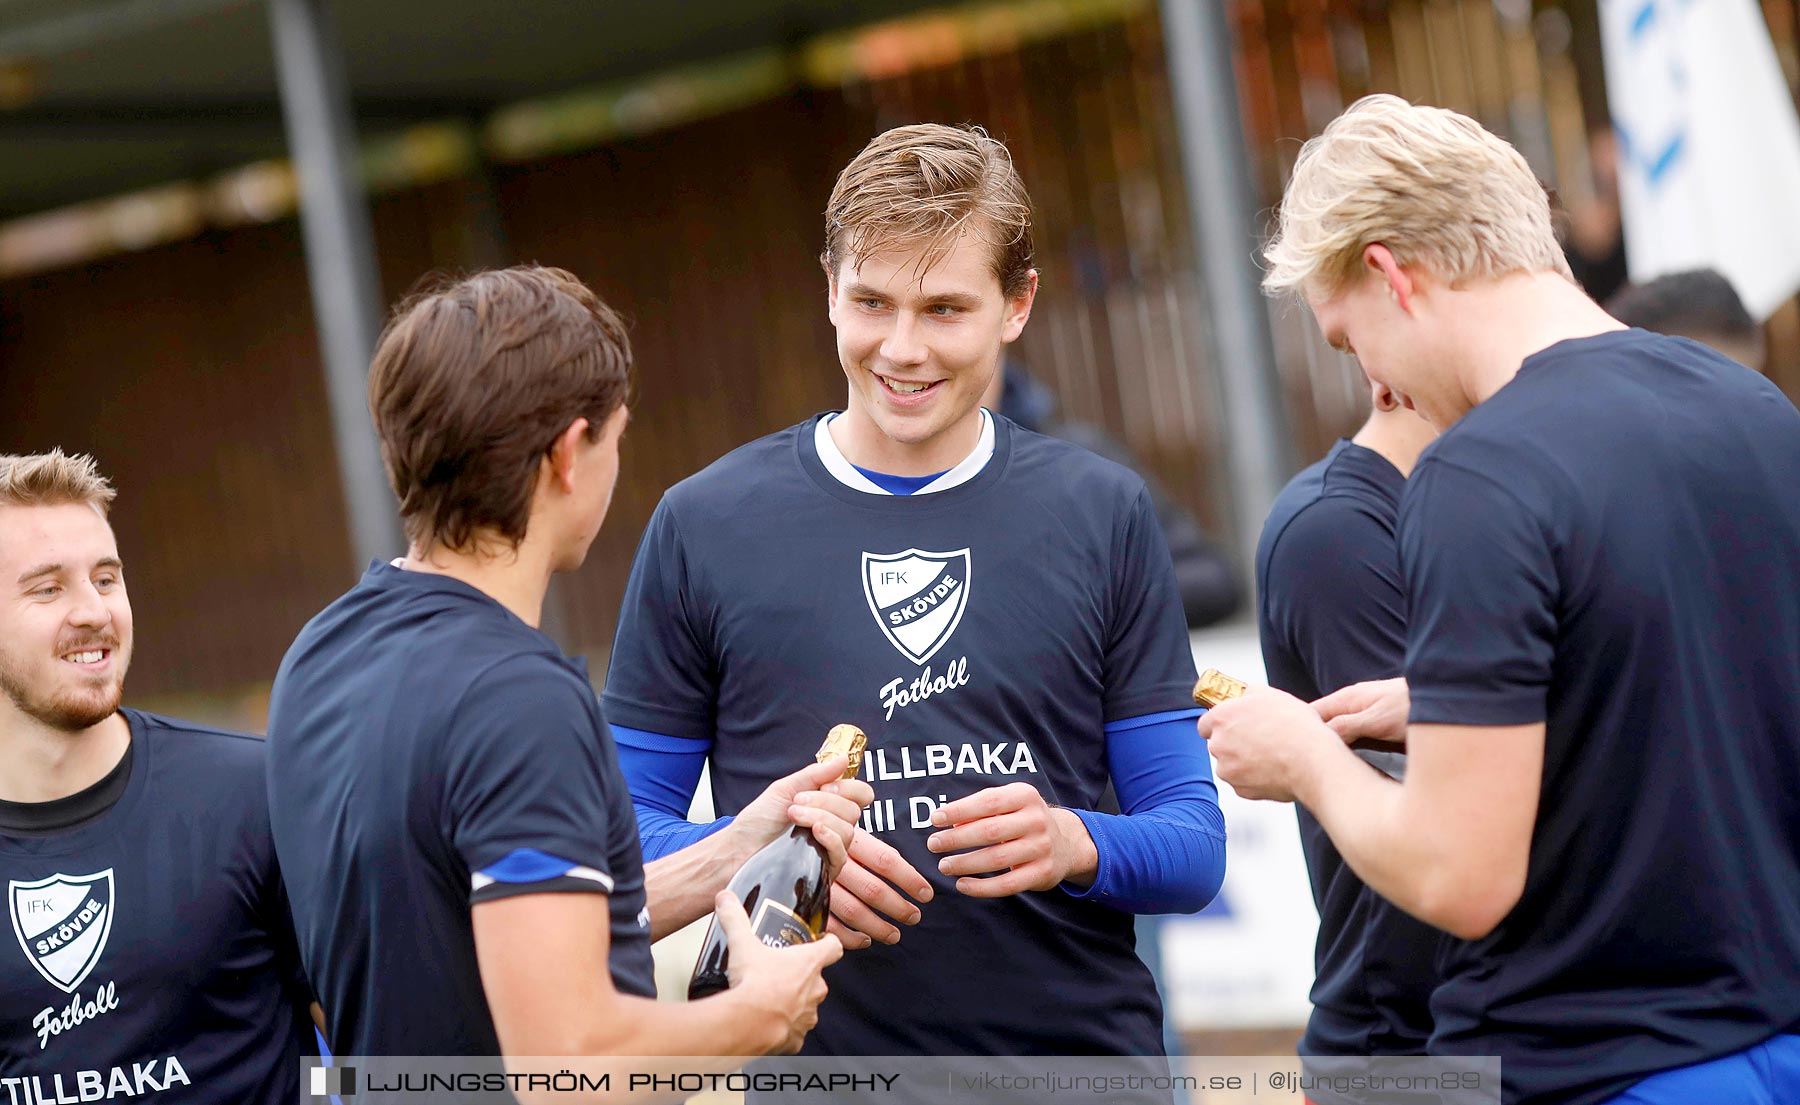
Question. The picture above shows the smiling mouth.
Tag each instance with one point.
(87, 657)
(901, 387)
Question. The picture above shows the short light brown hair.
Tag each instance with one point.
(919, 187)
(1429, 184)
(53, 479)
(472, 382)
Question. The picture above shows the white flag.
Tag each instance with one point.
(1709, 144)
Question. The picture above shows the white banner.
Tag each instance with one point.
(1709, 144)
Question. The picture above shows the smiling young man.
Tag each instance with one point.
(1603, 751)
(148, 954)
(996, 609)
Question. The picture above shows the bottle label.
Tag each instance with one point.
(778, 926)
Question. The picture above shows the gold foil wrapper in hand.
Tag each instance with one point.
(1215, 687)
(847, 741)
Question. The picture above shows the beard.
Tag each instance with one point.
(68, 709)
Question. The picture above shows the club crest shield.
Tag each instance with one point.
(62, 923)
(917, 597)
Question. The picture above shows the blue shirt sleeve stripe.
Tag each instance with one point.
(523, 865)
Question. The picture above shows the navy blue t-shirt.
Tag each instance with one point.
(1331, 612)
(149, 955)
(980, 635)
(1611, 545)
(428, 751)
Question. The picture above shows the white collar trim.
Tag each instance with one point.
(845, 472)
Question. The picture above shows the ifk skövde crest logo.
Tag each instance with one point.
(62, 923)
(917, 597)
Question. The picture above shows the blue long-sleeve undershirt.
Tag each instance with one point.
(663, 773)
(1164, 854)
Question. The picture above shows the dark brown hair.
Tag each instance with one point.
(919, 187)
(473, 380)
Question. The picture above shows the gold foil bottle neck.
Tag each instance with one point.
(1215, 687)
(847, 741)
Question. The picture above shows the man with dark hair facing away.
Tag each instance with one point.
(457, 838)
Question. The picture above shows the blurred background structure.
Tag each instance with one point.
(154, 302)
(156, 308)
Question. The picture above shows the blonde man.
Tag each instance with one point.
(1599, 703)
(995, 608)
(149, 948)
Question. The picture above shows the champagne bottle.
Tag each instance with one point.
(783, 886)
(1215, 687)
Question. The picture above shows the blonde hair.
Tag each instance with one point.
(922, 186)
(53, 479)
(1431, 185)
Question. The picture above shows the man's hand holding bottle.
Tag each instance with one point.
(779, 987)
(817, 797)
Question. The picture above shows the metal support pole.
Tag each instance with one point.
(340, 258)
(1216, 167)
